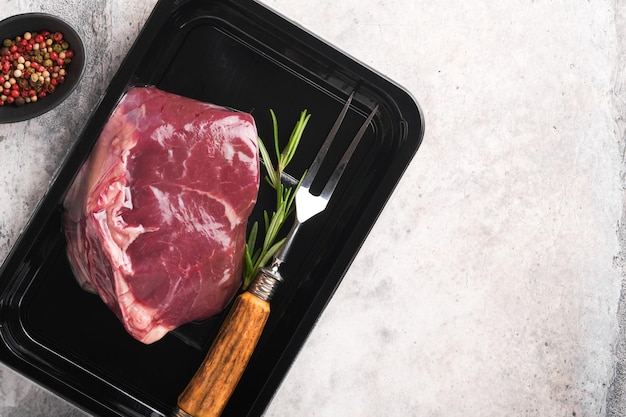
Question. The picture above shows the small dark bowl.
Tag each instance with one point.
(36, 22)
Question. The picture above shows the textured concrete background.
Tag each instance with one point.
(491, 285)
(616, 404)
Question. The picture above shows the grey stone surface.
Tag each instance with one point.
(616, 401)
(492, 283)
(22, 398)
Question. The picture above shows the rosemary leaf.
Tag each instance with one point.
(269, 167)
(271, 252)
(275, 129)
(252, 237)
(249, 262)
(294, 140)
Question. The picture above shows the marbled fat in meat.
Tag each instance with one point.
(155, 220)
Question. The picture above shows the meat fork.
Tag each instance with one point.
(210, 389)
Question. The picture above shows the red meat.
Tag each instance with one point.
(155, 220)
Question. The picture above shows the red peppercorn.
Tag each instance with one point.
(54, 56)
(10, 99)
(41, 94)
(13, 48)
(69, 53)
(2, 80)
(58, 37)
(15, 93)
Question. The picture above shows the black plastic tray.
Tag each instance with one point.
(241, 55)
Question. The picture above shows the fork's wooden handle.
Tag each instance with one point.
(208, 392)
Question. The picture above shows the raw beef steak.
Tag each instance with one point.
(155, 220)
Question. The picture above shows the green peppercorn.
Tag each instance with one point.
(23, 83)
(37, 85)
(57, 48)
(7, 42)
(47, 62)
(65, 45)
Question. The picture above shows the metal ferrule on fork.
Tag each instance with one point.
(266, 283)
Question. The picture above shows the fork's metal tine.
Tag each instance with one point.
(341, 166)
(317, 162)
(307, 204)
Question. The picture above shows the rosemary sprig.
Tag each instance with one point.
(255, 259)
